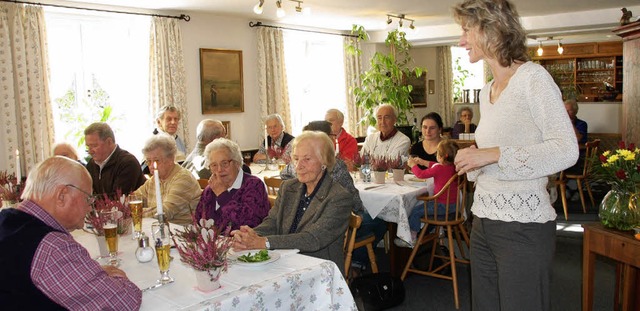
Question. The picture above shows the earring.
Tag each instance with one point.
(323, 167)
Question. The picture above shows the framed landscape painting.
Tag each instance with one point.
(221, 81)
(419, 92)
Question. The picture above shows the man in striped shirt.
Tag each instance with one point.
(41, 266)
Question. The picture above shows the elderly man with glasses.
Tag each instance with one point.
(42, 266)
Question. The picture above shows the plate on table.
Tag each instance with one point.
(273, 256)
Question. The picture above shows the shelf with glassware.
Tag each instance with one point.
(588, 72)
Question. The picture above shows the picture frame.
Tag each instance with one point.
(227, 127)
(419, 92)
(221, 83)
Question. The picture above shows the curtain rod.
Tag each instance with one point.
(183, 17)
(260, 24)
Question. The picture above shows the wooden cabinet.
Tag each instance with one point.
(586, 71)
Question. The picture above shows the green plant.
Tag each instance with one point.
(460, 74)
(385, 81)
(78, 114)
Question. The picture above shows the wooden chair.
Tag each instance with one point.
(452, 222)
(591, 150)
(273, 184)
(561, 184)
(350, 243)
(203, 183)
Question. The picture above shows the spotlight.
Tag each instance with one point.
(389, 20)
(560, 48)
(411, 26)
(400, 23)
(258, 8)
(540, 51)
(280, 11)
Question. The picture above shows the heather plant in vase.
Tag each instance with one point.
(10, 191)
(104, 203)
(204, 247)
(379, 164)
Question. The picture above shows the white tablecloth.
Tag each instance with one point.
(260, 171)
(393, 201)
(293, 282)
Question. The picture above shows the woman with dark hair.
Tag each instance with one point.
(425, 150)
(525, 136)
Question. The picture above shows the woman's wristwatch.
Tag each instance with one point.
(267, 245)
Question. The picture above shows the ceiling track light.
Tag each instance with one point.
(258, 7)
(402, 18)
(280, 12)
(560, 48)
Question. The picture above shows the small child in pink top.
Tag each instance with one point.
(441, 173)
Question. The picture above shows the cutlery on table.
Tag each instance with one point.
(373, 187)
(154, 286)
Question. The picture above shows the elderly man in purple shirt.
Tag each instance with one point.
(41, 266)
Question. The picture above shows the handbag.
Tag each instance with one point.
(377, 291)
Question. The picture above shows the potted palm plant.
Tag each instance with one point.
(386, 79)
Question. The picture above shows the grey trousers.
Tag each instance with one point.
(511, 265)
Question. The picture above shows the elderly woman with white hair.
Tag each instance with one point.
(232, 197)
(179, 189)
(311, 212)
(277, 138)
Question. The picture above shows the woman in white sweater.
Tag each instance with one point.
(524, 136)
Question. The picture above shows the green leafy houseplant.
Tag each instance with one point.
(460, 74)
(385, 81)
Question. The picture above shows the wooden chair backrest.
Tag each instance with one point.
(350, 235)
(591, 150)
(450, 216)
(273, 184)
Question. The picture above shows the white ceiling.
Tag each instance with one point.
(571, 20)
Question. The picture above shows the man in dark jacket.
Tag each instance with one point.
(111, 168)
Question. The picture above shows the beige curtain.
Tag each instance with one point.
(273, 94)
(26, 117)
(445, 83)
(352, 70)
(167, 85)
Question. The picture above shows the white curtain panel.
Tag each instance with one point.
(273, 92)
(167, 85)
(352, 71)
(445, 96)
(26, 117)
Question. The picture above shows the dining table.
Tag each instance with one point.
(393, 202)
(293, 281)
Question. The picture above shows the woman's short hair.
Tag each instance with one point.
(166, 108)
(233, 150)
(319, 126)
(164, 142)
(501, 34)
(274, 116)
(323, 146)
(449, 148)
(433, 116)
(465, 109)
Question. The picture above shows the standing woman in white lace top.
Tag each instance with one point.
(524, 136)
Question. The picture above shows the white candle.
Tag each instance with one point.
(156, 177)
(337, 147)
(266, 143)
(18, 168)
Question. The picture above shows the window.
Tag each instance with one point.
(315, 76)
(466, 76)
(99, 72)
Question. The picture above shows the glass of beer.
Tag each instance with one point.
(110, 227)
(162, 239)
(135, 205)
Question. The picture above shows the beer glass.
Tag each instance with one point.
(110, 226)
(161, 239)
(135, 205)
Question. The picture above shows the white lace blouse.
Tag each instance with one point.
(529, 124)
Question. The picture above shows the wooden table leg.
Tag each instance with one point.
(588, 263)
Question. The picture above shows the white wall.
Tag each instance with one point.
(602, 117)
(223, 32)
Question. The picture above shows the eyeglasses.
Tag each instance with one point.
(224, 164)
(90, 198)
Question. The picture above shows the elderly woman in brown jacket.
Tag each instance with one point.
(311, 212)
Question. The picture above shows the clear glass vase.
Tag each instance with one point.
(619, 209)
